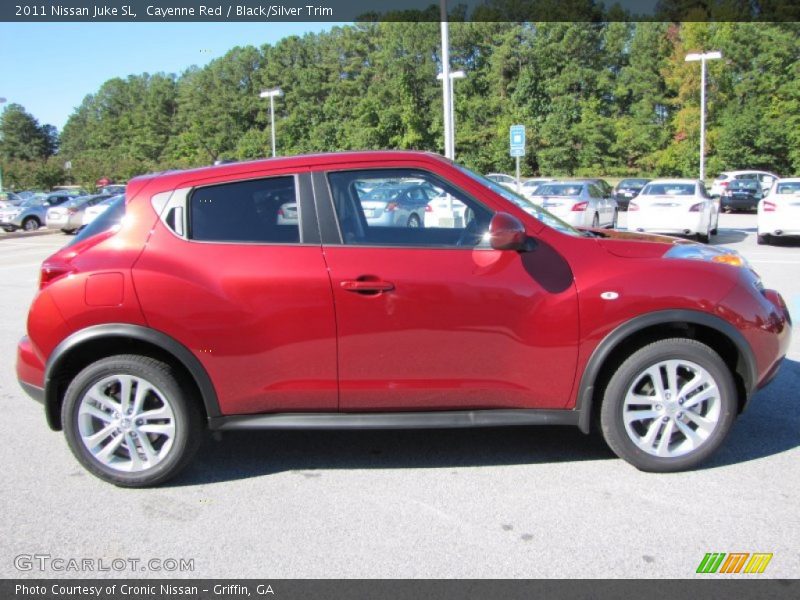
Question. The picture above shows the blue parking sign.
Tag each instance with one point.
(517, 140)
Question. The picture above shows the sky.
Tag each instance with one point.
(50, 67)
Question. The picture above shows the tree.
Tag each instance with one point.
(21, 136)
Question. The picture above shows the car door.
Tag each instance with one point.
(433, 318)
(248, 293)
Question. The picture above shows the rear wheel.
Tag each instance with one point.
(704, 238)
(669, 406)
(129, 422)
(596, 221)
(763, 239)
(413, 221)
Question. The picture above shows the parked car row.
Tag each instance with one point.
(30, 214)
(68, 217)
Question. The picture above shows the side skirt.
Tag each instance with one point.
(397, 420)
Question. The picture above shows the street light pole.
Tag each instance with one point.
(706, 56)
(271, 94)
(453, 76)
(2, 101)
(446, 82)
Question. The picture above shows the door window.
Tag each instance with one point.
(406, 207)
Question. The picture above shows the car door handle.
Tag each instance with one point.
(367, 286)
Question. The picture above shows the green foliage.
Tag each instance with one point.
(596, 97)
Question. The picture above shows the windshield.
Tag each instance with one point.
(111, 217)
(790, 187)
(632, 183)
(559, 189)
(529, 207)
(669, 189)
(744, 184)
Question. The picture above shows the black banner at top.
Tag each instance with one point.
(395, 10)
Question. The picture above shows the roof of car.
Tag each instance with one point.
(289, 162)
(675, 180)
(742, 171)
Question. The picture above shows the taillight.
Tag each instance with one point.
(580, 206)
(769, 206)
(696, 207)
(280, 212)
(632, 206)
(724, 184)
(428, 208)
(51, 271)
(391, 206)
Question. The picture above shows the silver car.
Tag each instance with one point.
(68, 217)
(580, 203)
(400, 204)
(30, 215)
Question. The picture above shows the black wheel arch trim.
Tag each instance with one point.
(137, 332)
(585, 395)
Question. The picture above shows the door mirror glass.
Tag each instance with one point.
(506, 232)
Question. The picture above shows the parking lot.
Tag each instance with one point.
(516, 502)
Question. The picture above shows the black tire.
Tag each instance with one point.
(595, 221)
(31, 224)
(615, 220)
(9, 229)
(413, 221)
(704, 238)
(188, 423)
(632, 370)
(763, 239)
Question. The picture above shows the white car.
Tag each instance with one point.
(675, 206)
(445, 211)
(722, 180)
(528, 188)
(504, 180)
(580, 203)
(779, 211)
(92, 212)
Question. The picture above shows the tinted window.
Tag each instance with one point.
(405, 207)
(260, 210)
(111, 217)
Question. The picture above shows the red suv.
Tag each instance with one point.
(271, 294)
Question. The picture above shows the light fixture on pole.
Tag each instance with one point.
(703, 57)
(453, 76)
(271, 94)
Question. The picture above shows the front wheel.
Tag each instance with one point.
(129, 422)
(669, 406)
(31, 224)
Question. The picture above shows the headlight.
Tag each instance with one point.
(715, 254)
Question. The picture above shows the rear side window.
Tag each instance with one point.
(259, 210)
(111, 217)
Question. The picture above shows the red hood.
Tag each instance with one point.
(628, 244)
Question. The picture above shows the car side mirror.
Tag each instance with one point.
(506, 232)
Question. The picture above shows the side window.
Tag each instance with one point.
(406, 207)
(595, 192)
(259, 210)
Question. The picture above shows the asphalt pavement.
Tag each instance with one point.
(491, 503)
